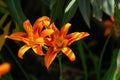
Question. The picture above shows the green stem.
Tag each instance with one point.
(92, 57)
(19, 65)
(60, 65)
(114, 76)
(101, 56)
(82, 57)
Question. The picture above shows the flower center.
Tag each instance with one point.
(60, 43)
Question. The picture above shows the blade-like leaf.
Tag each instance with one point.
(2, 3)
(82, 57)
(118, 3)
(56, 7)
(47, 2)
(16, 11)
(84, 6)
(2, 20)
(117, 15)
(70, 11)
(17, 28)
(97, 11)
(117, 72)
(69, 5)
(2, 37)
(108, 7)
(100, 2)
(110, 73)
(3, 10)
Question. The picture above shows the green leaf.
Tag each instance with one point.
(97, 11)
(117, 72)
(3, 10)
(108, 7)
(2, 3)
(16, 11)
(56, 7)
(70, 11)
(47, 2)
(84, 6)
(100, 2)
(117, 15)
(111, 71)
(2, 37)
(92, 56)
(2, 20)
(17, 28)
(3, 7)
(82, 57)
(69, 5)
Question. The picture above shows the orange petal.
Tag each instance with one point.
(65, 29)
(40, 23)
(108, 23)
(37, 28)
(107, 31)
(48, 41)
(76, 36)
(46, 32)
(20, 36)
(17, 36)
(49, 57)
(69, 53)
(45, 20)
(22, 50)
(38, 50)
(28, 27)
(112, 18)
(4, 68)
(52, 26)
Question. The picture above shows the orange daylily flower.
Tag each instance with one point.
(109, 24)
(4, 68)
(60, 41)
(34, 36)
